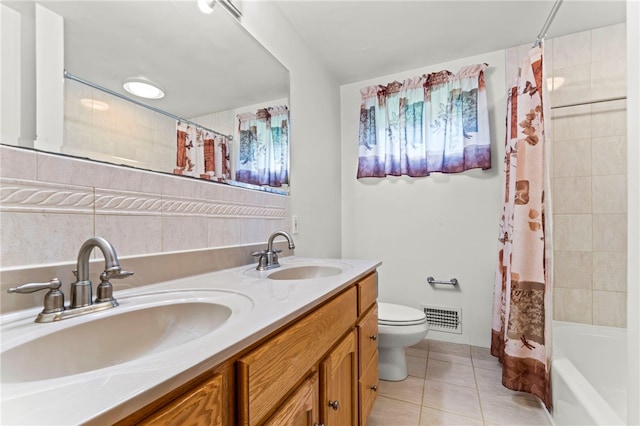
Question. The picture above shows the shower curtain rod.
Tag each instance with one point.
(620, 98)
(126, 98)
(543, 32)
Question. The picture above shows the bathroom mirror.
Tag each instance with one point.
(209, 67)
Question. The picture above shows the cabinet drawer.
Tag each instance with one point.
(202, 406)
(368, 388)
(368, 336)
(367, 292)
(269, 372)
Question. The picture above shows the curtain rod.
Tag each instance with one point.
(142, 104)
(620, 98)
(543, 32)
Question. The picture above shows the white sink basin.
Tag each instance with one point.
(141, 326)
(301, 270)
(304, 272)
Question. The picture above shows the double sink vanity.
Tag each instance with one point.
(290, 345)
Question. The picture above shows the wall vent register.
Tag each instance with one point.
(446, 319)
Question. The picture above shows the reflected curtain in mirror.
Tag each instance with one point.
(432, 123)
(263, 157)
(201, 153)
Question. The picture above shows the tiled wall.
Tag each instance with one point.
(588, 173)
(123, 134)
(589, 177)
(50, 204)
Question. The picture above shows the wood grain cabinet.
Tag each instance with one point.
(319, 369)
(367, 345)
(339, 381)
(200, 406)
(301, 408)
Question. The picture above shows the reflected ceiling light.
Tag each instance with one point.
(554, 83)
(94, 105)
(143, 88)
(206, 6)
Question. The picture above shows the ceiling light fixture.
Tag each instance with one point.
(206, 6)
(143, 88)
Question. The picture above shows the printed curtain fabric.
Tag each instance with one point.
(264, 147)
(522, 298)
(201, 153)
(432, 123)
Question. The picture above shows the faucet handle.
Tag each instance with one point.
(262, 259)
(53, 300)
(53, 284)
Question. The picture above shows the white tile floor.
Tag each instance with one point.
(452, 384)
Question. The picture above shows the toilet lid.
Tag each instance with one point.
(392, 314)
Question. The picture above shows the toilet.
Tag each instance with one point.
(398, 327)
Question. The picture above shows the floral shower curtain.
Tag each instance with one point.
(201, 153)
(432, 123)
(522, 311)
(264, 147)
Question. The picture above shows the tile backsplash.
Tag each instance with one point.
(50, 204)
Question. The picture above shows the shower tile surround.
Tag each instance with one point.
(51, 204)
(588, 174)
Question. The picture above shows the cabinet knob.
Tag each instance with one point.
(373, 337)
(318, 424)
(334, 404)
(374, 388)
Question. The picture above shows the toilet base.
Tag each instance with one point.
(392, 364)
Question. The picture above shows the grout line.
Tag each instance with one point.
(424, 386)
(484, 421)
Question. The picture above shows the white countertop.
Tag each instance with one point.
(110, 394)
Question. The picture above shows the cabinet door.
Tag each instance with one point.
(203, 405)
(268, 373)
(301, 408)
(339, 384)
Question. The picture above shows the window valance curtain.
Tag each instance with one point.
(264, 147)
(433, 123)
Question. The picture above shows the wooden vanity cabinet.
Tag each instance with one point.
(367, 328)
(320, 369)
(268, 373)
(301, 408)
(208, 400)
(339, 383)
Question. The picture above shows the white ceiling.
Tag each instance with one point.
(363, 39)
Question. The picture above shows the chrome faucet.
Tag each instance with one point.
(268, 259)
(81, 289)
(81, 300)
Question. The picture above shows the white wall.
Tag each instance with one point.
(315, 133)
(443, 226)
(49, 81)
(633, 209)
(17, 82)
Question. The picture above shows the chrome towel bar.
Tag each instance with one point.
(452, 281)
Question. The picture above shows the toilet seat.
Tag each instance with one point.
(399, 315)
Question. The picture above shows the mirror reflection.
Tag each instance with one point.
(224, 113)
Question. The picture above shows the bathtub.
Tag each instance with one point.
(588, 374)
